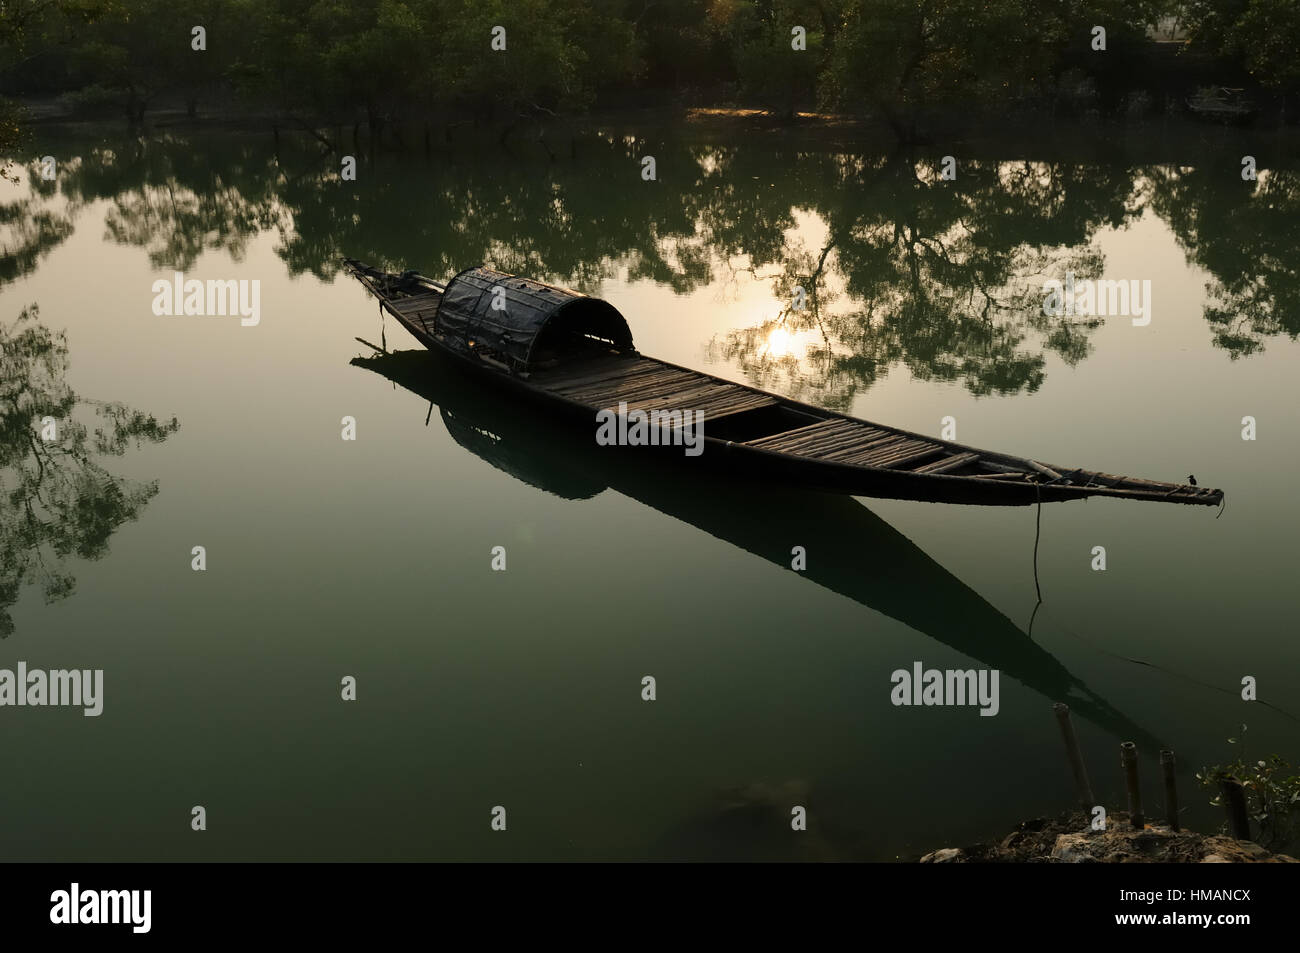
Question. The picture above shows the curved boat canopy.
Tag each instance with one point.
(524, 320)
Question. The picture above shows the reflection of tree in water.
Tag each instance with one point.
(903, 269)
(939, 276)
(573, 222)
(187, 201)
(29, 228)
(1247, 236)
(167, 197)
(28, 235)
(58, 502)
(944, 278)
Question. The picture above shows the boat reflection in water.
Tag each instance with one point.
(858, 554)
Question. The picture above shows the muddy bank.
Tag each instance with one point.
(1067, 840)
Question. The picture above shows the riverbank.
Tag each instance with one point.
(1067, 840)
(1043, 135)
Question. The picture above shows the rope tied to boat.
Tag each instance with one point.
(1038, 532)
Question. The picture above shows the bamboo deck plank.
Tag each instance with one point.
(785, 435)
(566, 383)
(736, 406)
(620, 387)
(676, 394)
(915, 457)
(882, 455)
(571, 372)
(726, 406)
(678, 391)
(796, 440)
(951, 463)
(415, 303)
(687, 399)
(880, 447)
(626, 376)
(852, 444)
(910, 454)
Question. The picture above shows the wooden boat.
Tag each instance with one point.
(575, 354)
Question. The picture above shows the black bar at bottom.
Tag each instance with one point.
(461, 902)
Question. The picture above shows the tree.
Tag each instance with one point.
(1262, 35)
(140, 49)
(557, 52)
(29, 29)
(910, 58)
(768, 64)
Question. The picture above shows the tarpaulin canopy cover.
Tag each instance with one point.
(511, 315)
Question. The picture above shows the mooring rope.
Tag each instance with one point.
(1038, 532)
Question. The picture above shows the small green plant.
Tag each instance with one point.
(1272, 789)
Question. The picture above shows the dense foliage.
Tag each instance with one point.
(331, 62)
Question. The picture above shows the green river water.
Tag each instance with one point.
(371, 558)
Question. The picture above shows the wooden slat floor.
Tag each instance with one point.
(603, 381)
(418, 309)
(648, 385)
(644, 384)
(948, 464)
(860, 444)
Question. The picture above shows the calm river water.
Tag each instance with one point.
(475, 689)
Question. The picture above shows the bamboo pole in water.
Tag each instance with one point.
(1234, 802)
(1171, 788)
(1081, 786)
(1128, 758)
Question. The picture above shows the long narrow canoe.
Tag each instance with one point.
(575, 354)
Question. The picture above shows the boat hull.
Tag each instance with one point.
(1021, 482)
